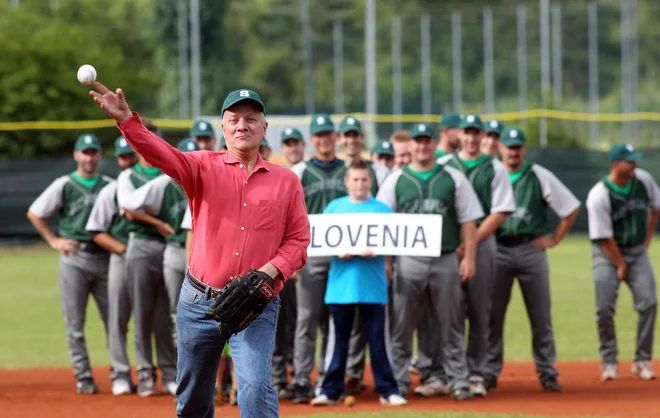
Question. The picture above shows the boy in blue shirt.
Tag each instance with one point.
(357, 282)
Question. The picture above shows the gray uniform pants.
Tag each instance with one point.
(641, 282)
(530, 266)
(437, 280)
(284, 337)
(80, 275)
(476, 301)
(120, 299)
(174, 272)
(426, 328)
(144, 267)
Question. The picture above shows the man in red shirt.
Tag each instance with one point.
(246, 213)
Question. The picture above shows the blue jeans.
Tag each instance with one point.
(199, 347)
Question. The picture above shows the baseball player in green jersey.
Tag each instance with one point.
(265, 149)
(83, 266)
(491, 143)
(109, 230)
(450, 134)
(202, 132)
(144, 269)
(383, 154)
(623, 211)
(292, 146)
(521, 253)
(429, 188)
(322, 179)
(490, 181)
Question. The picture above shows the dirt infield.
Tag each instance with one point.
(50, 392)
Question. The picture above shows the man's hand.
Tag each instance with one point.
(622, 272)
(543, 242)
(466, 269)
(346, 256)
(367, 254)
(64, 245)
(114, 104)
(165, 229)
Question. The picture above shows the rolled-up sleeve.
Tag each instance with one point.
(292, 254)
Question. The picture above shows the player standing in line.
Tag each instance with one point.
(383, 154)
(144, 268)
(400, 141)
(490, 181)
(202, 132)
(429, 188)
(265, 150)
(322, 179)
(521, 253)
(621, 231)
(450, 134)
(83, 266)
(109, 230)
(358, 284)
(491, 143)
(292, 146)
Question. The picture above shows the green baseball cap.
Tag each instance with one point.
(471, 121)
(422, 129)
(623, 152)
(87, 141)
(350, 124)
(321, 122)
(122, 147)
(512, 136)
(202, 128)
(265, 143)
(238, 96)
(187, 145)
(383, 147)
(291, 133)
(494, 126)
(450, 120)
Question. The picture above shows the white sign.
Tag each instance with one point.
(382, 233)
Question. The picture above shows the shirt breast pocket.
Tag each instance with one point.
(269, 216)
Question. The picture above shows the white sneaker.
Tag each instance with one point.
(432, 387)
(393, 400)
(610, 372)
(121, 387)
(170, 387)
(323, 400)
(643, 369)
(477, 388)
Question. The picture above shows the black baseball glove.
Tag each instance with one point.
(241, 301)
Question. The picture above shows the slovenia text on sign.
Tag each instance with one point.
(382, 233)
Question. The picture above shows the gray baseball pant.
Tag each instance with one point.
(120, 299)
(174, 272)
(641, 282)
(426, 344)
(530, 266)
(144, 267)
(476, 301)
(284, 337)
(437, 279)
(80, 275)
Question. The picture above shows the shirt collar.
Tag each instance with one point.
(230, 158)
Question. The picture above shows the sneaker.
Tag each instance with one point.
(354, 387)
(643, 369)
(550, 384)
(323, 400)
(610, 372)
(170, 388)
(301, 394)
(121, 387)
(490, 384)
(146, 387)
(461, 394)
(86, 386)
(432, 387)
(393, 400)
(477, 388)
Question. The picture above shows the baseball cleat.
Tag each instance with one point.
(393, 400)
(323, 400)
(432, 387)
(550, 384)
(121, 387)
(643, 369)
(86, 386)
(301, 394)
(610, 372)
(146, 387)
(477, 389)
(490, 384)
(461, 394)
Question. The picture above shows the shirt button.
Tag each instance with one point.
(245, 181)
(237, 254)
(244, 204)
(241, 165)
(242, 228)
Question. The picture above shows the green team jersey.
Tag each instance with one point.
(622, 212)
(73, 199)
(446, 191)
(163, 198)
(106, 216)
(535, 188)
(489, 180)
(128, 181)
(320, 186)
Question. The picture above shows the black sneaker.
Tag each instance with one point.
(283, 392)
(301, 394)
(550, 384)
(461, 394)
(86, 386)
(491, 384)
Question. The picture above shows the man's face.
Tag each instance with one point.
(453, 136)
(352, 143)
(490, 144)
(384, 159)
(423, 149)
(126, 160)
(358, 183)
(265, 152)
(625, 169)
(513, 156)
(244, 126)
(88, 160)
(293, 151)
(471, 141)
(324, 143)
(206, 143)
(402, 154)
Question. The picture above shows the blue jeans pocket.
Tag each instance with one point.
(189, 296)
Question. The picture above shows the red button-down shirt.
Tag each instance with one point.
(239, 221)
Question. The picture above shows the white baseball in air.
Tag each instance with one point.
(86, 74)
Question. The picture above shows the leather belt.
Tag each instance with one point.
(89, 247)
(204, 288)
